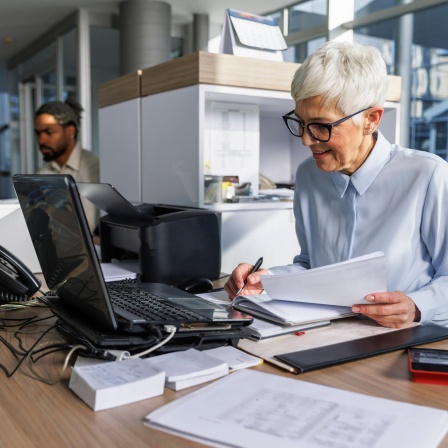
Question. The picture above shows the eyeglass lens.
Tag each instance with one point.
(318, 131)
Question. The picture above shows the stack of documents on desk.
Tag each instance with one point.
(109, 384)
(318, 294)
(236, 359)
(261, 329)
(288, 313)
(344, 284)
(270, 325)
(188, 368)
(255, 409)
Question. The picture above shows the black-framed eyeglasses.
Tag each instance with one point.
(319, 131)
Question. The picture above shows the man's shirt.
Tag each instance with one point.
(83, 165)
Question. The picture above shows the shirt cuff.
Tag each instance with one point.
(424, 302)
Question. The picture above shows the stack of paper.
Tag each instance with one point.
(117, 271)
(188, 368)
(343, 284)
(260, 329)
(236, 359)
(289, 313)
(255, 409)
(303, 297)
(110, 384)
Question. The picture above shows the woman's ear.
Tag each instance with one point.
(372, 119)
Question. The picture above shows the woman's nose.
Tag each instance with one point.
(307, 139)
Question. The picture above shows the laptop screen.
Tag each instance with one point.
(58, 228)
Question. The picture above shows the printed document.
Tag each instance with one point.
(286, 312)
(256, 409)
(344, 284)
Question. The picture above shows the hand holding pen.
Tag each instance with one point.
(255, 268)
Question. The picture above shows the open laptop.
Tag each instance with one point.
(114, 314)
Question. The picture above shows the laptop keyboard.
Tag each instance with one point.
(147, 305)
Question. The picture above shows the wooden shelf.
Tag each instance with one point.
(121, 89)
(214, 69)
(217, 69)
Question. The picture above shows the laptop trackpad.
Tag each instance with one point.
(202, 307)
(128, 316)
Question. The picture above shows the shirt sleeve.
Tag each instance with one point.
(432, 299)
(301, 261)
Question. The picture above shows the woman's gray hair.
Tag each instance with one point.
(351, 75)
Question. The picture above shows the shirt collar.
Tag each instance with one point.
(73, 162)
(363, 177)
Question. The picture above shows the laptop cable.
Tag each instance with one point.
(171, 329)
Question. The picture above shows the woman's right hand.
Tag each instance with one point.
(236, 281)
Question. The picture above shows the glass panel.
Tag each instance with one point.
(39, 63)
(49, 87)
(5, 159)
(441, 137)
(10, 149)
(298, 53)
(366, 7)
(429, 73)
(381, 35)
(276, 17)
(177, 47)
(105, 65)
(429, 114)
(307, 15)
(70, 65)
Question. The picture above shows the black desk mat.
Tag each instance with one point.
(328, 355)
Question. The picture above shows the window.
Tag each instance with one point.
(307, 15)
(366, 7)
(422, 35)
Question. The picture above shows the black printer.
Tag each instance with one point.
(172, 243)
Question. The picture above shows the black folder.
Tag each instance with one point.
(328, 355)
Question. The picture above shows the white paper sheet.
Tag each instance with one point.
(255, 409)
(345, 284)
(288, 312)
(117, 271)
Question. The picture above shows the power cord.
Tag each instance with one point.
(36, 343)
(171, 329)
(10, 306)
(38, 376)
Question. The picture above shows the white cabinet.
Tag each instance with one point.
(120, 135)
(120, 148)
(174, 140)
(152, 148)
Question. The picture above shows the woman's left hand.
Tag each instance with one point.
(389, 309)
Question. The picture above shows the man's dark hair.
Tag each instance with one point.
(66, 113)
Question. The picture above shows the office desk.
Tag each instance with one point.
(34, 414)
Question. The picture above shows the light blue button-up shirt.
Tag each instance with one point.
(400, 207)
